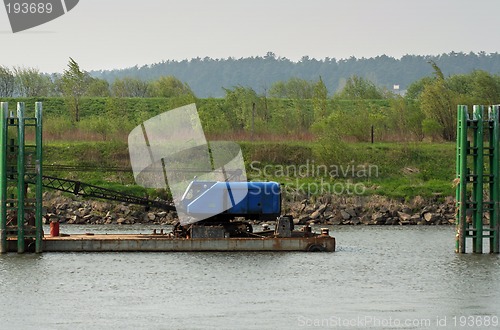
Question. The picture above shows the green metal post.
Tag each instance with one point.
(495, 186)
(39, 192)
(3, 176)
(478, 191)
(457, 174)
(462, 170)
(20, 178)
(464, 176)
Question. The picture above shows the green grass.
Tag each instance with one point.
(391, 169)
(394, 170)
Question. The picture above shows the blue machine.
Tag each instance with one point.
(227, 200)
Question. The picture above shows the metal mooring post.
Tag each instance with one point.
(495, 172)
(20, 177)
(478, 180)
(461, 172)
(485, 170)
(38, 172)
(14, 159)
(4, 107)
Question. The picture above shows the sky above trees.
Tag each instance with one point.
(118, 34)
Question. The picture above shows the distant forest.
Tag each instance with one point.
(208, 77)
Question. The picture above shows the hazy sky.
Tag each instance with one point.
(106, 34)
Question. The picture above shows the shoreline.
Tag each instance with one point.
(328, 210)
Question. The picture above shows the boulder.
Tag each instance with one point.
(88, 218)
(315, 215)
(378, 216)
(352, 212)
(430, 217)
(321, 209)
(415, 218)
(365, 219)
(404, 216)
(345, 215)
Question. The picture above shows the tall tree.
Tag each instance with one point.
(30, 82)
(170, 86)
(7, 82)
(485, 88)
(294, 88)
(320, 99)
(240, 102)
(415, 89)
(130, 87)
(439, 104)
(359, 88)
(75, 83)
(98, 88)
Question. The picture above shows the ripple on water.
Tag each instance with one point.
(384, 272)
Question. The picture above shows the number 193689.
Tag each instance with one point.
(29, 8)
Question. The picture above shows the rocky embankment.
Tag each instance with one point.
(80, 211)
(364, 210)
(374, 210)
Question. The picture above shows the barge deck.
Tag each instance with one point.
(164, 243)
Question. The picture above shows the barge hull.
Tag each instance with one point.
(155, 243)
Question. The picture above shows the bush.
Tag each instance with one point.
(55, 128)
(431, 128)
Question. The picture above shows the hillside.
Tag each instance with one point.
(208, 77)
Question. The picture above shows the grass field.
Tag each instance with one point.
(395, 170)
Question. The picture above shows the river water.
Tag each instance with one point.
(379, 278)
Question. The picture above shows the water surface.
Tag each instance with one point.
(380, 277)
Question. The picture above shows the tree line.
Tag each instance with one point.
(208, 76)
(30, 82)
(293, 108)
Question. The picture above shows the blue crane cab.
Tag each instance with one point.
(250, 200)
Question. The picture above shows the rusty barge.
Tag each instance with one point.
(298, 241)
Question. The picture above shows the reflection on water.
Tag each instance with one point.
(378, 274)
